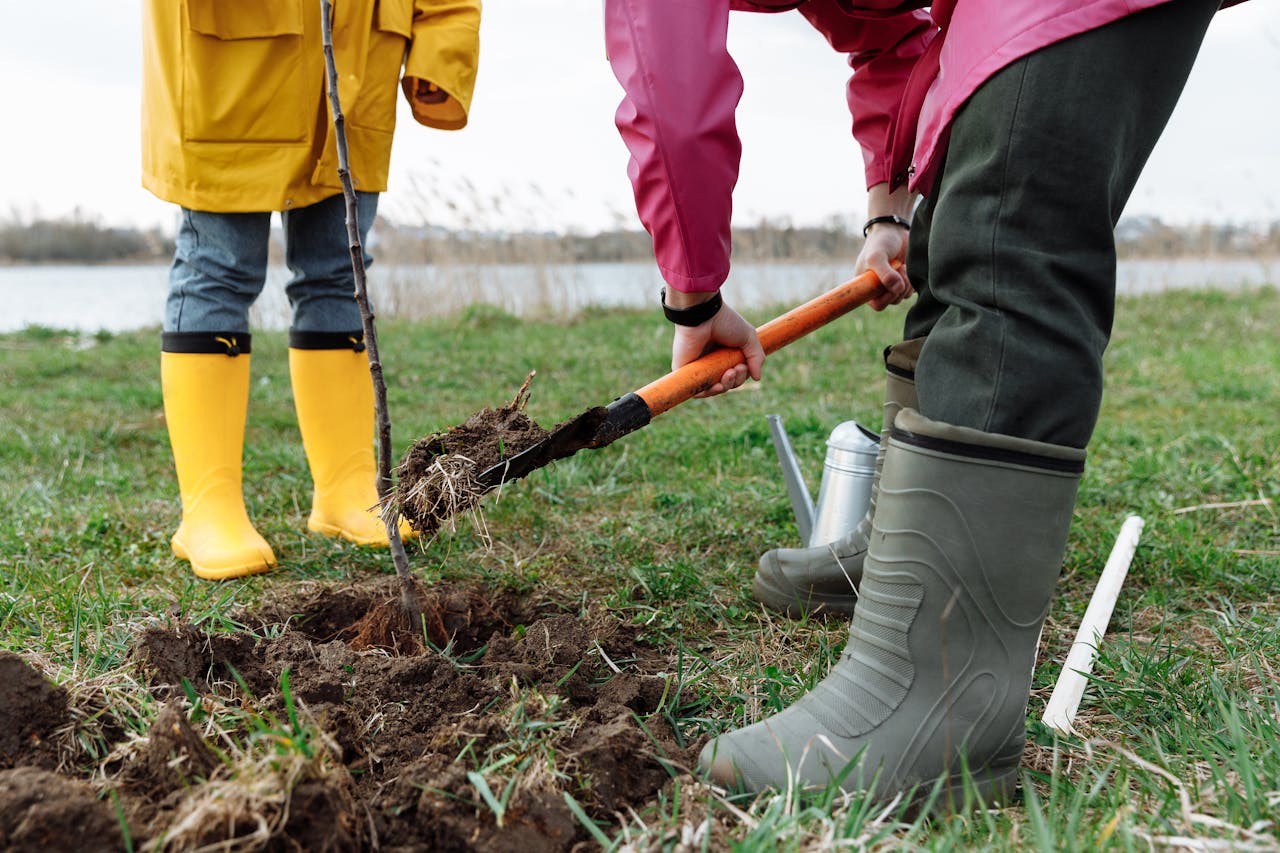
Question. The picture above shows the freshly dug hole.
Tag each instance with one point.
(393, 741)
(445, 616)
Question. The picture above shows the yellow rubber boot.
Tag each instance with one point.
(206, 396)
(333, 394)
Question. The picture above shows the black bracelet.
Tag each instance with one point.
(695, 315)
(876, 220)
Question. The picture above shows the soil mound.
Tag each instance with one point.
(294, 734)
(31, 709)
(41, 811)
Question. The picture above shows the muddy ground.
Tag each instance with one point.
(307, 730)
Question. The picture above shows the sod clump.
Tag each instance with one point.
(439, 477)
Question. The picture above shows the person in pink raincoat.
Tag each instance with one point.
(1024, 124)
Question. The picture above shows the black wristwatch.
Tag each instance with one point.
(876, 220)
(694, 315)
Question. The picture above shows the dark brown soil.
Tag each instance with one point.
(30, 710)
(391, 732)
(41, 812)
(440, 475)
(429, 494)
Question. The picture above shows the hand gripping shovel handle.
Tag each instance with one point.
(690, 380)
(602, 425)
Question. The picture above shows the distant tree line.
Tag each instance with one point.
(1149, 237)
(838, 238)
(766, 241)
(80, 238)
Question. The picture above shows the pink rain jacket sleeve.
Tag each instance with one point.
(677, 116)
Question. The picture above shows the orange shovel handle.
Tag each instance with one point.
(690, 380)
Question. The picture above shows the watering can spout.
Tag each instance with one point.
(848, 475)
(801, 502)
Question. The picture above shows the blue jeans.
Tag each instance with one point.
(220, 266)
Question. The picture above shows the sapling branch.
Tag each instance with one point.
(399, 558)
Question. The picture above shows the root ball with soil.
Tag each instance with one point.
(439, 478)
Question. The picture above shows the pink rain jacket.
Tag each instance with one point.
(912, 70)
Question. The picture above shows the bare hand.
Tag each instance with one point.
(726, 329)
(426, 92)
(886, 242)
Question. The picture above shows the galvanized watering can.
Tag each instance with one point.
(845, 491)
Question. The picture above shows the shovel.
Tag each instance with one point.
(603, 425)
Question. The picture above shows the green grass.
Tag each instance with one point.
(664, 527)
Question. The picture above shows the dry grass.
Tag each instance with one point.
(247, 801)
(437, 497)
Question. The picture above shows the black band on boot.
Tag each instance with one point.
(899, 372)
(900, 359)
(990, 454)
(353, 341)
(209, 343)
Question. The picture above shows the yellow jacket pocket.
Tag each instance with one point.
(244, 76)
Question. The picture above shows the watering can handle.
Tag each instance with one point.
(690, 380)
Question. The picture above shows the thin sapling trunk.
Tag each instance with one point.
(408, 592)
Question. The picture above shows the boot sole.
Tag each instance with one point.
(961, 794)
(985, 789)
(797, 604)
(334, 531)
(253, 567)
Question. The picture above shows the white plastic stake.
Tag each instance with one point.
(1063, 703)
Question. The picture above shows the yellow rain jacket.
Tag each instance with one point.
(235, 113)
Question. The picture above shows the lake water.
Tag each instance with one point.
(122, 298)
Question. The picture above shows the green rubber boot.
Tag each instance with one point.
(824, 578)
(965, 553)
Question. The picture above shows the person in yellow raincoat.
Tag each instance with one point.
(236, 126)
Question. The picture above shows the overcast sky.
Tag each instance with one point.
(542, 140)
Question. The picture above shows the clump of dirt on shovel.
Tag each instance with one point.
(438, 478)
